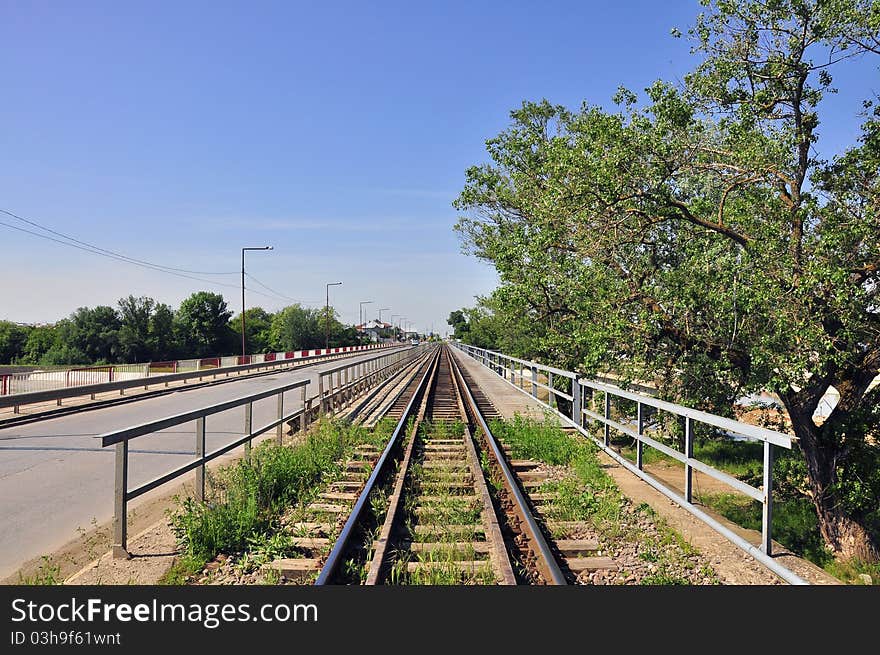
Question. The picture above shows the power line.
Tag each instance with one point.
(98, 249)
(110, 254)
(278, 293)
(127, 260)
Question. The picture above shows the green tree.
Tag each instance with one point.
(295, 328)
(459, 323)
(41, 339)
(339, 334)
(699, 242)
(202, 323)
(13, 338)
(134, 333)
(162, 339)
(64, 347)
(257, 324)
(92, 332)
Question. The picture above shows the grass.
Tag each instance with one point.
(449, 508)
(795, 524)
(248, 498)
(48, 573)
(355, 568)
(589, 494)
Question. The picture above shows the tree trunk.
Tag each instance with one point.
(845, 535)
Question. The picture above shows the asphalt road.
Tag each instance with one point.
(55, 477)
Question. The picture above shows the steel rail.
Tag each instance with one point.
(395, 506)
(352, 389)
(375, 393)
(548, 565)
(767, 560)
(341, 544)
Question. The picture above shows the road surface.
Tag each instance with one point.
(55, 477)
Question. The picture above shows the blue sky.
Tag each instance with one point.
(338, 133)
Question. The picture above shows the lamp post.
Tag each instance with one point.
(243, 346)
(393, 333)
(361, 309)
(401, 319)
(381, 324)
(327, 314)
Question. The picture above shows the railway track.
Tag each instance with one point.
(442, 503)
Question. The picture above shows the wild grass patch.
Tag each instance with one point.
(247, 498)
(590, 495)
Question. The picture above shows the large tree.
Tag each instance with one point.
(93, 332)
(13, 339)
(135, 315)
(257, 325)
(203, 325)
(162, 339)
(700, 241)
(295, 327)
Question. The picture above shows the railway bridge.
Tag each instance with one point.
(454, 465)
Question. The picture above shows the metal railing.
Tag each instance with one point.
(60, 378)
(16, 400)
(524, 375)
(121, 438)
(340, 385)
(358, 376)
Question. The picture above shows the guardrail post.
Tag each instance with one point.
(551, 397)
(321, 409)
(534, 382)
(689, 453)
(279, 431)
(767, 514)
(304, 417)
(607, 431)
(577, 403)
(200, 454)
(120, 507)
(641, 428)
(248, 427)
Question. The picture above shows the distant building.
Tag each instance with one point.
(374, 330)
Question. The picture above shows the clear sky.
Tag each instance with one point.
(338, 133)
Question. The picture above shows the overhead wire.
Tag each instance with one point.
(127, 260)
(67, 240)
(278, 293)
(99, 250)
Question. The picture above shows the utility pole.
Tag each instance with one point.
(361, 310)
(327, 315)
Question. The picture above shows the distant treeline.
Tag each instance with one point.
(141, 330)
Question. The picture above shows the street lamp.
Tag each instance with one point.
(243, 351)
(327, 314)
(392, 328)
(361, 309)
(401, 319)
(380, 313)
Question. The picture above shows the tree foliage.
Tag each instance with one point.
(141, 329)
(696, 240)
(203, 324)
